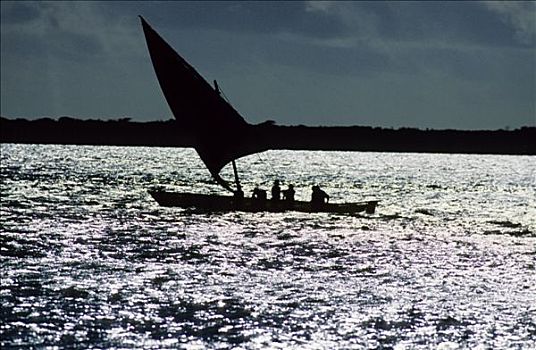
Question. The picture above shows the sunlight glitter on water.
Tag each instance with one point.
(89, 260)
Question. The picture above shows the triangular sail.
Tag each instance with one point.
(220, 134)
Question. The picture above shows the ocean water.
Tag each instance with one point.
(89, 260)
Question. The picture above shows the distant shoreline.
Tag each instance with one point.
(124, 132)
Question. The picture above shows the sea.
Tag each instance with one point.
(90, 260)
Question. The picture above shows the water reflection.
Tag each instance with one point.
(89, 260)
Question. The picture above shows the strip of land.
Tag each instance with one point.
(123, 132)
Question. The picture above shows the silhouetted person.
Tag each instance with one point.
(238, 193)
(319, 197)
(288, 194)
(276, 191)
(259, 194)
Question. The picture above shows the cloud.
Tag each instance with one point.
(263, 17)
(520, 14)
(14, 13)
(431, 24)
(318, 6)
(65, 29)
(68, 58)
(383, 31)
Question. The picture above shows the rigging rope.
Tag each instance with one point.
(274, 173)
(223, 95)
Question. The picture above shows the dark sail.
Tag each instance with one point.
(220, 134)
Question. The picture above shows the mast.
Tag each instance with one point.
(237, 180)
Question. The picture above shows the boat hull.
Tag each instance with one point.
(219, 203)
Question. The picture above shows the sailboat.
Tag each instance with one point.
(220, 135)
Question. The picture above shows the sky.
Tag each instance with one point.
(457, 65)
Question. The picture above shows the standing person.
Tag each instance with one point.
(288, 194)
(276, 191)
(319, 197)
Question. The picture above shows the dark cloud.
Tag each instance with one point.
(36, 29)
(62, 46)
(457, 22)
(240, 17)
(363, 61)
(77, 46)
(19, 12)
(22, 44)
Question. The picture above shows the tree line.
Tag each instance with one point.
(124, 132)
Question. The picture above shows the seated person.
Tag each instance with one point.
(239, 193)
(288, 194)
(319, 196)
(259, 194)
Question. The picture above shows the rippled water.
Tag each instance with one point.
(88, 259)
